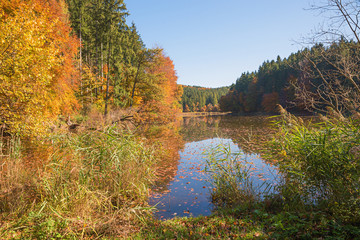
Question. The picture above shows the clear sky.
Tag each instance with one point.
(212, 42)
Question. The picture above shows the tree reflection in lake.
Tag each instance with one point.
(182, 189)
(249, 132)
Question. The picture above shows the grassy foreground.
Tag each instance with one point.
(257, 223)
(94, 185)
(89, 185)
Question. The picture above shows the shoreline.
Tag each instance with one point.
(196, 114)
(199, 114)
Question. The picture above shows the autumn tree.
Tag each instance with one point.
(36, 65)
(160, 101)
(143, 83)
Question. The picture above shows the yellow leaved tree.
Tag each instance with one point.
(36, 65)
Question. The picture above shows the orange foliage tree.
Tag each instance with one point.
(36, 65)
(160, 101)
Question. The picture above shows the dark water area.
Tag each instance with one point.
(185, 188)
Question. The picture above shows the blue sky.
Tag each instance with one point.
(213, 42)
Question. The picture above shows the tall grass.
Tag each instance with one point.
(321, 165)
(91, 184)
(231, 177)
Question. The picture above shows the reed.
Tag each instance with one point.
(320, 165)
(91, 184)
(231, 178)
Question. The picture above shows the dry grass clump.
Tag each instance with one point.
(74, 186)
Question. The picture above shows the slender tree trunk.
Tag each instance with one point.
(80, 62)
(98, 72)
(102, 65)
(135, 81)
(107, 81)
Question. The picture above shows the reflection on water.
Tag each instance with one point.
(246, 131)
(188, 193)
(182, 189)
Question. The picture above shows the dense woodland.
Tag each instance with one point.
(200, 99)
(294, 82)
(56, 60)
(117, 69)
(263, 89)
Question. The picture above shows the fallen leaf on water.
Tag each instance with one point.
(257, 234)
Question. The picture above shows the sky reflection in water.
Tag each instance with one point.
(188, 194)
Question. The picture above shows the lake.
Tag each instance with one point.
(184, 188)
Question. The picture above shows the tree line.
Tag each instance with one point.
(309, 80)
(200, 99)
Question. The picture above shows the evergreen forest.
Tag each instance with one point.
(294, 82)
(200, 99)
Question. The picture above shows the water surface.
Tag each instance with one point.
(185, 191)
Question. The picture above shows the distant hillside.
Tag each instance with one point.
(200, 99)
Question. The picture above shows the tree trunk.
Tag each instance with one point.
(107, 81)
(80, 62)
(135, 81)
